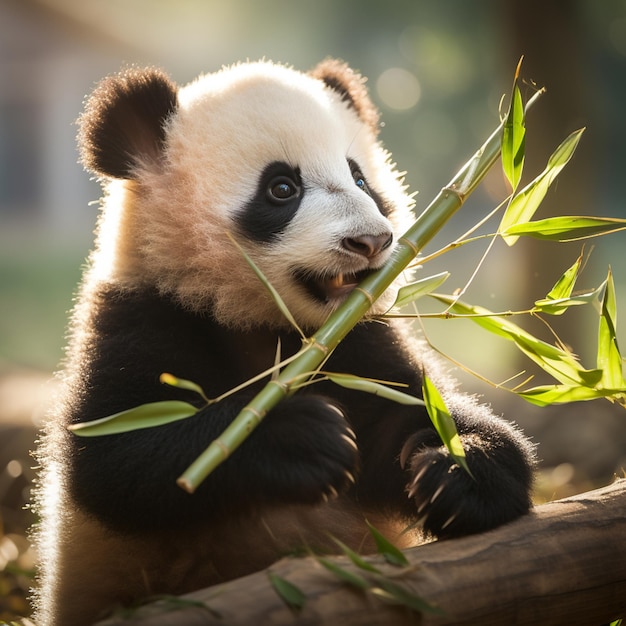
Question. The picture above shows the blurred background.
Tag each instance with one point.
(437, 70)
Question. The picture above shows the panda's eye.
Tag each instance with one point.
(282, 189)
(359, 180)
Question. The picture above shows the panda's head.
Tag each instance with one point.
(287, 163)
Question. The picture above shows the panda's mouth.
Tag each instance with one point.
(328, 289)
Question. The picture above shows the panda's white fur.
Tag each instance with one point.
(167, 290)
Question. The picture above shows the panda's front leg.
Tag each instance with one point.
(449, 502)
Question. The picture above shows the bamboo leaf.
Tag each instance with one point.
(181, 383)
(349, 381)
(169, 603)
(561, 291)
(609, 359)
(524, 204)
(566, 228)
(558, 363)
(345, 575)
(275, 295)
(546, 395)
(443, 422)
(391, 553)
(514, 136)
(289, 593)
(356, 559)
(556, 307)
(393, 593)
(411, 292)
(565, 285)
(143, 416)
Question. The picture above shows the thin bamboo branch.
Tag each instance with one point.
(318, 348)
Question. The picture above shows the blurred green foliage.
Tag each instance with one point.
(36, 287)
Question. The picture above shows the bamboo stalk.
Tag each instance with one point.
(318, 348)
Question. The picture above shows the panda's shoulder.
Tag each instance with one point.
(123, 335)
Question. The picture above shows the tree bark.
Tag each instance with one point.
(565, 563)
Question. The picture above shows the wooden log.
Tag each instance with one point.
(565, 563)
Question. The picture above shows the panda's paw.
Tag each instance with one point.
(449, 502)
(313, 450)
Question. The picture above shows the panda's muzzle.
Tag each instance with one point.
(328, 288)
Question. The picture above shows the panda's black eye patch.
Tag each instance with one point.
(277, 197)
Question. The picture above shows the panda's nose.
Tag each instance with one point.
(368, 245)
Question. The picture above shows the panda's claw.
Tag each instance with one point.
(419, 475)
(332, 493)
(437, 493)
(422, 507)
(449, 521)
(350, 441)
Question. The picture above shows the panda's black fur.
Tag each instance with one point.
(115, 525)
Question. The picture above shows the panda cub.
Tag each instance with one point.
(289, 164)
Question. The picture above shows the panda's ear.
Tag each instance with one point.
(350, 85)
(123, 124)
